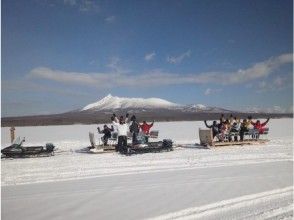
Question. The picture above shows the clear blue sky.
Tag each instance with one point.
(60, 55)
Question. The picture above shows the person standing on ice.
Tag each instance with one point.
(122, 130)
(134, 129)
(146, 128)
(107, 134)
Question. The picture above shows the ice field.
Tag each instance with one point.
(191, 182)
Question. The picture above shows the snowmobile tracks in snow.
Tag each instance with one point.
(276, 204)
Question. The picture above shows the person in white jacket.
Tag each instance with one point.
(122, 129)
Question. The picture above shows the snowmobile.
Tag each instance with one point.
(142, 145)
(17, 150)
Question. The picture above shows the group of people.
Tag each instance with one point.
(123, 126)
(220, 130)
(236, 127)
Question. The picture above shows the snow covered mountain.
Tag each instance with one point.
(113, 102)
(203, 108)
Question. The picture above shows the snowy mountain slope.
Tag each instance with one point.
(203, 108)
(110, 102)
(114, 102)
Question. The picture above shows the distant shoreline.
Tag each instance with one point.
(72, 118)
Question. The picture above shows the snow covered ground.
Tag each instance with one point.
(237, 182)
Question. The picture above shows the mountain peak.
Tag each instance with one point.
(108, 96)
(114, 102)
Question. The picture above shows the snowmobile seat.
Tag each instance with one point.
(153, 134)
(113, 139)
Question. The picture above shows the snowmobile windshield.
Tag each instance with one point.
(18, 141)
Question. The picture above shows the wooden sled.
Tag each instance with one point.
(98, 149)
(206, 139)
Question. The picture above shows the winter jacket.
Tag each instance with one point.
(236, 126)
(146, 127)
(214, 127)
(106, 132)
(122, 129)
(260, 126)
(135, 127)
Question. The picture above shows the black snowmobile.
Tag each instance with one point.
(142, 145)
(17, 150)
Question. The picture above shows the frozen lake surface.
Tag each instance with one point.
(249, 182)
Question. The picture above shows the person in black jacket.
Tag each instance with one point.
(214, 127)
(134, 129)
(107, 134)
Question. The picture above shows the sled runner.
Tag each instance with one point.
(252, 137)
(17, 150)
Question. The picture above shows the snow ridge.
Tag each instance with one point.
(264, 201)
(114, 102)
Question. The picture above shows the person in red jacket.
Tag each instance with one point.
(146, 127)
(260, 127)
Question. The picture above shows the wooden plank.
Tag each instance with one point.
(247, 142)
(101, 151)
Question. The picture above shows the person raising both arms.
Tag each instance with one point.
(146, 127)
(214, 127)
(260, 126)
(122, 130)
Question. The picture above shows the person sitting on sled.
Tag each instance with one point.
(235, 128)
(244, 128)
(214, 127)
(222, 119)
(122, 130)
(260, 127)
(232, 119)
(107, 134)
(224, 130)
